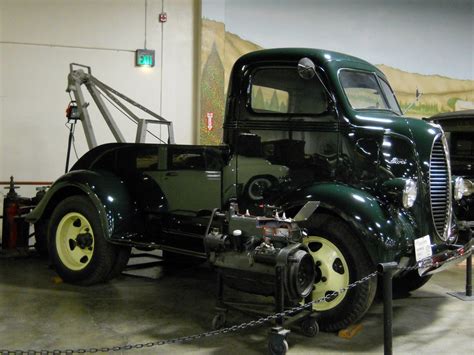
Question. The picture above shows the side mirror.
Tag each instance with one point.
(307, 71)
(306, 68)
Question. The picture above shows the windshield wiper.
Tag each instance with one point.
(379, 109)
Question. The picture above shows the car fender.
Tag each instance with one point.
(105, 190)
(386, 232)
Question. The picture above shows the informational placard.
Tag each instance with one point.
(422, 250)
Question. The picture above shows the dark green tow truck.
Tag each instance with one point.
(382, 181)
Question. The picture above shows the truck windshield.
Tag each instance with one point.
(365, 91)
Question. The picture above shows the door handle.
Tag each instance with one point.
(171, 173)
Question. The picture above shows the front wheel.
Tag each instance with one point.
(339, 260)
(77, 243)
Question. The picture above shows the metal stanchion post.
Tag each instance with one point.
(219, 319)
(387, 272)
(277, 344)
(469, 269)
(467, 294)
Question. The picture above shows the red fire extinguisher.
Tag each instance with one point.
(14, 228)
(11, 209)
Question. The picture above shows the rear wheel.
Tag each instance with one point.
(340, 260)
(77, 244)
(41, 238)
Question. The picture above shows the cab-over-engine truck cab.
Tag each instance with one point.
(301, 125)
(383, 180)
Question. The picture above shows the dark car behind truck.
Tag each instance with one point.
(459, 129)
(338, 138)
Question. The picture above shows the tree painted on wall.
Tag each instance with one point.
(212, 99)
(274, 103)
(258, 101)
(452, 103)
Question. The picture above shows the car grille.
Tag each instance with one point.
(440, 188)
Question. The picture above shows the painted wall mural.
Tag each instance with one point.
(419, 45)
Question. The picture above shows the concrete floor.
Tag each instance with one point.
(38, 313)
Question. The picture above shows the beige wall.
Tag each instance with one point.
(38, 40)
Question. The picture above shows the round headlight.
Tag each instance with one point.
(409, 193)
(459, 188)
(468, 187)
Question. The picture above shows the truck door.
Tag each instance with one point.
(288, 133)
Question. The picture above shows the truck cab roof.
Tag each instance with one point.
(329, 60)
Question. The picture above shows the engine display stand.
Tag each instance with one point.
(277, 344)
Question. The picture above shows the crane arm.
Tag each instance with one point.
(78, 77)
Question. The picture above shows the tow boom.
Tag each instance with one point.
(78, 77)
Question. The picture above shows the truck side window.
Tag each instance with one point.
(266, 99)
(137, 157)
(186, 159)
(105, 162)
(147, 161)
(282, 91)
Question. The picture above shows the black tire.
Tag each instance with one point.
(309, 327)
(219, 320)
(121, 261)
(85, 261)
(340, 259)
(279, 347)
(41, 238)
(256, 185)
(411, 281)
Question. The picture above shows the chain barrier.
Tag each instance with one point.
(234, 328)
(251, 324)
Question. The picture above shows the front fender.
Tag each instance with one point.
(386, 233)
(106, 191)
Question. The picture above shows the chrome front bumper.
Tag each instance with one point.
(454, 254)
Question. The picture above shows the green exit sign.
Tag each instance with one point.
(145, 58)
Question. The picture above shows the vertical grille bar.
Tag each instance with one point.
(440, 188)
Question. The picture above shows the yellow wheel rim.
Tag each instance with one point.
(75, 241)
(332, 271)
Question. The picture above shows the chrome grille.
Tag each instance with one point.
(440, 188)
